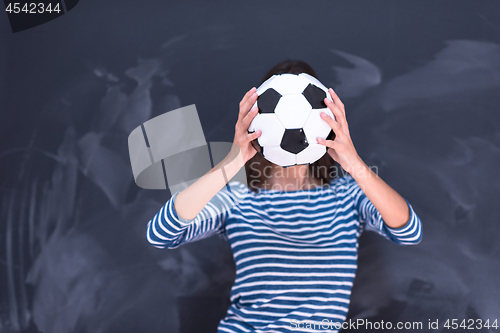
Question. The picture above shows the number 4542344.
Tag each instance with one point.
(32, 8)
(470, 324)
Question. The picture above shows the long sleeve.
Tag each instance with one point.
(370, 218)
(167, 230)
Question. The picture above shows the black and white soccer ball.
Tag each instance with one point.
(289, 119)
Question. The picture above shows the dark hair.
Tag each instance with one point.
(323, 169)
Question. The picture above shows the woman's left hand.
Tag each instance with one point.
(341, 149)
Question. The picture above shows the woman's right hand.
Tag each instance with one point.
(242, 139)
(190, 201)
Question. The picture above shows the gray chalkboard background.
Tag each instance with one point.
(421, 85)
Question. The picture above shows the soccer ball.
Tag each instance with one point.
(289, 119)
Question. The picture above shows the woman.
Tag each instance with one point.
(294, 231)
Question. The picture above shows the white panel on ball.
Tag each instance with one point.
(279, 156)
(272, 130)
(266, 84)
(315, 126)
(293, 110)
(290, 84)
(311, 154)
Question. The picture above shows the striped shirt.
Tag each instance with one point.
(295, 252)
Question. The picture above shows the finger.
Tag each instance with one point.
(327, 143)
(335, 126)
(245, 110)
(244, 101)
(337, 112)
(247, 95)
(253, 136)
(333, 107)
(245, 122)
(336, 99)
(249, 102)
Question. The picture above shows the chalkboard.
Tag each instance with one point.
(420, 81)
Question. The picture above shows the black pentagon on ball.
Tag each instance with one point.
(268, 100)
(294, 140)
(315, 96)
(331, 135)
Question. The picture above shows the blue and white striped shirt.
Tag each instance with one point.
(295, 252)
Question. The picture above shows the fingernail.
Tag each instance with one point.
(319, 139)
